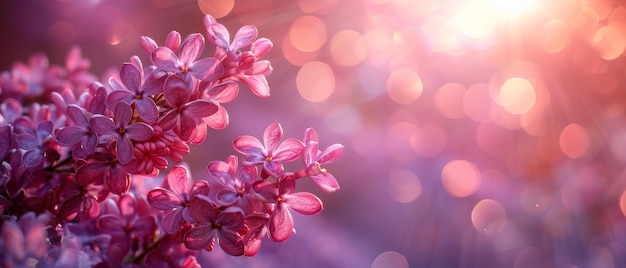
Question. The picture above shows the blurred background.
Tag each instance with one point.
(477, 133)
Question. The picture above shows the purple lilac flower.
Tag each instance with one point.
(137, 91)
(175, 197)
(122, 129)
(281, 221)
(314, 158)
(215, 225)
(184, 116)
(33, 144)
(80, 136)
(272, 153)
(187, 64)
(234, 183)
(23, 239)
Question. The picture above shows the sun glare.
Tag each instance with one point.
(513, 7)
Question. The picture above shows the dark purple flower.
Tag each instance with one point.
(235, 183)
(33, 144)
(207, 69)
(175, 197)
(272, 153)
(105, 168)
(80, 135)
(136, 91)
(184, 115)
(121, 127)
(281, 221)
(215, 225)
(23, 240)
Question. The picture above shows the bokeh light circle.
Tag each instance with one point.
(315, 81)
(449, 100)
(517, 95)
(489, 217)
(348, 48)
(216, 8)
(390, 259)
(574, 141)
(404, 86)
(403, 185)
(460, 178)
(307, 33)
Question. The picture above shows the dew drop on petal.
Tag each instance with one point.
(390, 259)
(460, 178)
(489, 217)
(315, 81)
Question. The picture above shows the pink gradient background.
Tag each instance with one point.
(476, 134)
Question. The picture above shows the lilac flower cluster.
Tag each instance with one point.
(73, 153)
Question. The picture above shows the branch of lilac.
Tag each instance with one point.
(74, 153)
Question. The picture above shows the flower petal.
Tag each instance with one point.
(248, 145)
(231, 243)
(178, 180)
(176, 91)
(125, 150)
(218, 120)
(191, 48)
(147, 109)
(281, 224)
(70, 135)
(207, 69)
(201, 108)
(131, 77)
(330, 154)
(90, 173)
(326, 182)
(163, 199)
(304, 203)
(172, 220)
(266, 191)
(165, 59)
(199, 237)
(139, 131)
(244, 37)
(122, 114)
(202, 210)
(272, 136)
(102, 125)
(288, 150)
(257, 83)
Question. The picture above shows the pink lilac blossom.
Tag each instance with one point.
(272, 153)
(71, 147)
